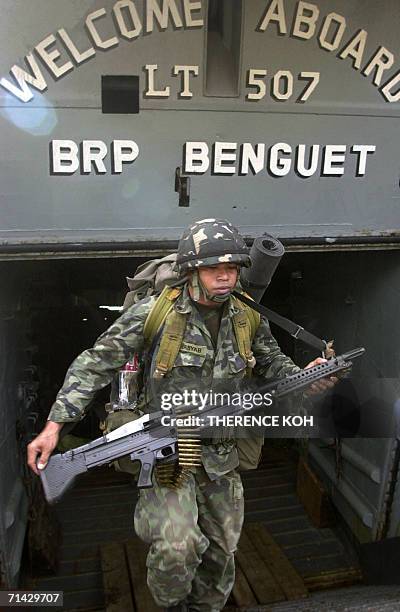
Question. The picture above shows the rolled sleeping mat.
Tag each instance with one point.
(266, 253)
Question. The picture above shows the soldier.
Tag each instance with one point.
(193, 529)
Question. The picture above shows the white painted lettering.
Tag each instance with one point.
(280, 166)
(196, 157)
(252, 156)
(50, 57)
(151, 92)
(282, 85)
(274, 13)
(387, 89)
(153, 10)
(223, 157)
(382, 60)
(77, 56)
(124, 9)
(334, 155)
(339, 23)
(190, 7)
(34, 78)
(64, 157)
(312, 161)
(355, 49)
(124, 152)
(313, 80)
(362, 151)
(255, 80)
(304, 160)
(98, 41)
(185, 72)
(93, 152)
(305, 20)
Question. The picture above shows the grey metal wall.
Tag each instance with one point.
(140, 204)
(359, 298)
(17, 397)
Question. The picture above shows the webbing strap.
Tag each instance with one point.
(159, 311)
(254, 319)
(171, 340)
(245, 324)
(295, 330)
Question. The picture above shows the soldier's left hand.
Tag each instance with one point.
(322, 385)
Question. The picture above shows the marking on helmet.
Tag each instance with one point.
(198, 238)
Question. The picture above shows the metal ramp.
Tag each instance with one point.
(100, 509)
(351, 599)
(322, 557)
(263, 574)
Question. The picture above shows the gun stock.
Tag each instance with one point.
(60, 473)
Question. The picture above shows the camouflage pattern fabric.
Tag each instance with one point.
(193, 532)
(198, 366)
(211, 241)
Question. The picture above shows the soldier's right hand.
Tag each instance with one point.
(40, 449)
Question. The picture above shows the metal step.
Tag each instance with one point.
(351, 599)
(100, 509)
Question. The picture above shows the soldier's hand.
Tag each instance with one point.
(40, 449)
(322, 385)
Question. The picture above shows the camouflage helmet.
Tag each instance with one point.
(209, 242)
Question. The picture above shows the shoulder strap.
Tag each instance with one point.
(295, 330)
(157, 315)
(171, 341)
(161, 313)
(245, 323)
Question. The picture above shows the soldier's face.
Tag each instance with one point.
(219, 279)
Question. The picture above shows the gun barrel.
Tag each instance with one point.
(353, 354)
(307, 376)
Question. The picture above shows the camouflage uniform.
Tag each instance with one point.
(194, 530)
(201, 521)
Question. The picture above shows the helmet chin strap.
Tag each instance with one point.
(195, 286)
(199, 288)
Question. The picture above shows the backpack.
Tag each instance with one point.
(151, 277)
(159, 275)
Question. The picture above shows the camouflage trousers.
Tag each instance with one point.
(193, 532)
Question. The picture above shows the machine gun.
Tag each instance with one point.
(147, 440)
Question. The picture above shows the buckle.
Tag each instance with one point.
(159, 372)
(298, 330)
